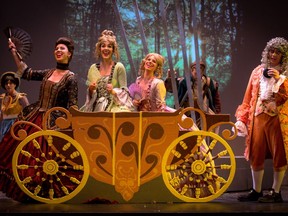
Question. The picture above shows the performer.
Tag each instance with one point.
(211, 96)
(58, 88)
(148, 91)
(12, 101)
(107, 80)
(262, 118)
(168, 80)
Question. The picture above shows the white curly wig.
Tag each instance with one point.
(280, 44)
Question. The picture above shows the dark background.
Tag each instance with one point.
(261, 22)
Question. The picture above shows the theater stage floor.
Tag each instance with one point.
(227, 203)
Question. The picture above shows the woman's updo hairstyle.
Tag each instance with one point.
(107, 36)
(67, 42)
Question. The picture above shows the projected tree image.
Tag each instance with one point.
(139, 27)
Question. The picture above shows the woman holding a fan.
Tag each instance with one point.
(59, 88)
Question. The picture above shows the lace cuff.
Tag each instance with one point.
(242, 129)
(276, 86)
(122, 98)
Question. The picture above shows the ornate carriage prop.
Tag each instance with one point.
(128, 157)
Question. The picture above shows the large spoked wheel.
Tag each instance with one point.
(53, 172)
(198, 166)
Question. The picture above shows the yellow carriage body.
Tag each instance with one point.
(125, 149)
(137, 157)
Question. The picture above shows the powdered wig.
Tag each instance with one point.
(160, 62)
(107, 35)
(280, 44)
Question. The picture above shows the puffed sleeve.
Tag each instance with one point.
(160, 96)
(93, 74)
(23, 100)
(119, 76)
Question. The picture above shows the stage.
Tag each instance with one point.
(227, 203)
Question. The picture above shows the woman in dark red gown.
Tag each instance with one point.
(58, 88)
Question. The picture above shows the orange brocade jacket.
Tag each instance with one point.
(245, 111)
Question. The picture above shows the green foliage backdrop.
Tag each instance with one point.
(218, 30)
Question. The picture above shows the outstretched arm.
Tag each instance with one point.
(21, 66)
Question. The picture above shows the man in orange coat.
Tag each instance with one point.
(262, 118)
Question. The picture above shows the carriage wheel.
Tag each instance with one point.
(195, 171)
(52, 173)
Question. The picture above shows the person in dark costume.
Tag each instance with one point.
(210, 92)
(59, 88)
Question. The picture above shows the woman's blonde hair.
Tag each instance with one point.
(107, 35)
(280, 44)
(160, 62)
